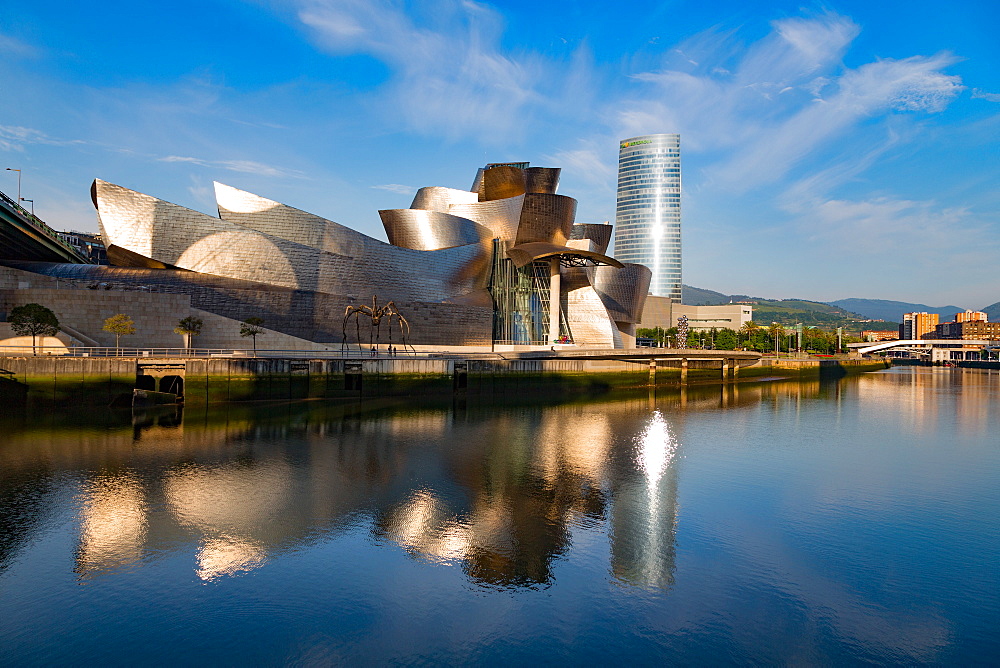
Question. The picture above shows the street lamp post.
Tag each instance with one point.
(11, 169)
(32, 205)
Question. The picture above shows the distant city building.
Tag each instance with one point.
(648, 217)
(89, 245)
(968, 329)
(970, 316)
(918, 325)
(874, 335)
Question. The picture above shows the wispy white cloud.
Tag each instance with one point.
(930, 232)
(588, 162)
(782, 99)
(242, 166)
(980, 94)
(397, 188)
(14, 47)
(15, 138)
(450, 75)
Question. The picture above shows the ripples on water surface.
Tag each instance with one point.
(775, 522)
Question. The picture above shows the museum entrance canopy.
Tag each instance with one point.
(522, 254)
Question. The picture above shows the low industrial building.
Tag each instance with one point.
(873, 335)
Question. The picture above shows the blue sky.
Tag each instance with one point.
(829, 150)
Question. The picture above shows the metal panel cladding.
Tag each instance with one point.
(648, 219)
(599, 233)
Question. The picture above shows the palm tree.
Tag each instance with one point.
(748, 328)
(776, 331)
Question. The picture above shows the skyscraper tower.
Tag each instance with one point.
(648, 218)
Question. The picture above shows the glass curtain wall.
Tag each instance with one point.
(521, 301)
(648, 219)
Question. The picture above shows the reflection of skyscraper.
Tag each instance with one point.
(648, 219)
(644, 511)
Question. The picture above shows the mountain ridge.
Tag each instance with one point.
(852, 308)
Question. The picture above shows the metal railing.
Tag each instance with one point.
(152, 353)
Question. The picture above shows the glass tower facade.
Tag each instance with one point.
(648, 217)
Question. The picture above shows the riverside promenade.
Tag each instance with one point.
(237, 376)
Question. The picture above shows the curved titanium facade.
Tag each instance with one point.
(648, 217)
(546, 218)
(302, 251)
(501, 215)
(600, 234)
(438, 198)
(420, 229)
(623, 290)
(503, 181)
(460, 262)
(542, 180)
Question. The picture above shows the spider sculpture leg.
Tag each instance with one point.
(343, 330)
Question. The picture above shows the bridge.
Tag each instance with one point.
(24, 236)
(866, 348)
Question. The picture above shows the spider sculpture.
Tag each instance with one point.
(376, 314)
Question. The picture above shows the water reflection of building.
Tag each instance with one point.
(112, 523)
(501, 493)
(523, 488)
(930, 394)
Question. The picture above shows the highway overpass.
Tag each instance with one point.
(25, 237)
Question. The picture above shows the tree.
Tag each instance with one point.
(252, 327)
(33, 320)
(189, 327)
(670, 337)
(749, 328)
(120, 325)
(726, 339)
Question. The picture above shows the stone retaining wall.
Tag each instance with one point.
(100, 380)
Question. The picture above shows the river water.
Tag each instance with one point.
(818, 523)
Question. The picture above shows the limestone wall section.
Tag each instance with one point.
(155, 314)
(222, 332)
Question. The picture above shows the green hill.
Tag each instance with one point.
(886, 309)
(702, 297)
(789, 312)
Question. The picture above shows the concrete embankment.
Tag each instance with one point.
(972, 364)
(813, 368)
(964, 364)
(101, 381)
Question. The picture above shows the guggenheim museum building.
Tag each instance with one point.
(503, 263)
